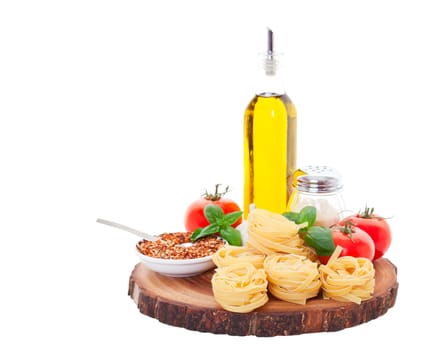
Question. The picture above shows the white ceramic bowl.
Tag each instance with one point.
(177, 267)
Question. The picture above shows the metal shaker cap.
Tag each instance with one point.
(322, 170)
(319, 179)
(318, 184)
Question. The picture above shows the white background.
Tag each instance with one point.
(128, 110)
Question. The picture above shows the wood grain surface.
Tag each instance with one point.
(189, 303)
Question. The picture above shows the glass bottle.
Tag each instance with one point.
(269, 141)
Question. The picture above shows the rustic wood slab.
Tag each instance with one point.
(189, 303)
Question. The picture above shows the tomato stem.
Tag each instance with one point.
(217, 195)
(367, 214)
(348, 229)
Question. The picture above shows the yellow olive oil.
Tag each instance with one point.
(269, 151)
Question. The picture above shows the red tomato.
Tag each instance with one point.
(354, 241)
(376, 227)
(194, 217)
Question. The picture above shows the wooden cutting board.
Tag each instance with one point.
(189, 303)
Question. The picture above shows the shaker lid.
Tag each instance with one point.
(318, 184)
(322, 170)
(318, 179)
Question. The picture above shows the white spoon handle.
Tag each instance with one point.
(128, 229)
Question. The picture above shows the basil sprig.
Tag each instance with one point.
(317, 237)
(221, 224)
(306, 214)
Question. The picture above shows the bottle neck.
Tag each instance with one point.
(270, 85)
(270, 82)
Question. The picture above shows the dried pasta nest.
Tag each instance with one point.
(292, 278)
(347, 278)
(230, 255)
(272, 233)
(240, 287)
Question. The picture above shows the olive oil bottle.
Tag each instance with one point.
(269, 141)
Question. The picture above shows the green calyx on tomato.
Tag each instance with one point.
(317, 237)
(347, 229)
(367, 214)
(221, 224)
(217, 195)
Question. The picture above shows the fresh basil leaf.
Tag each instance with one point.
(196, 233)
(231, 235)
(292, 216)
(206, 231)
(308, 214)
(231, 218)
(211, 229)
(213, 213)
(320, 238)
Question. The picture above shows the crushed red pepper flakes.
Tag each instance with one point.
(168, 246)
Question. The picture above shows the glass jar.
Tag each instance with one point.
(320, 187)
